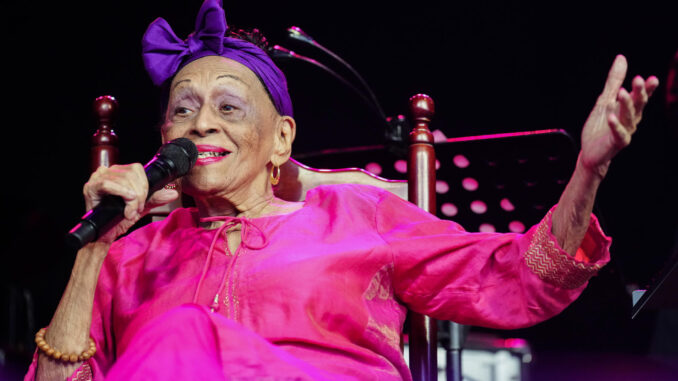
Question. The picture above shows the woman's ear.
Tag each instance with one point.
(285, 133)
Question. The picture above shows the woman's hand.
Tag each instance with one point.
(614, 118)
(130, 183)
(607, 130)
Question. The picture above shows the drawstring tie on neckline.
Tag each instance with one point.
(229, 222)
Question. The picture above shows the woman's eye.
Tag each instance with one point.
(181, 111)
(227, 108)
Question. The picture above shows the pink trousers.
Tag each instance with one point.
(191, 343)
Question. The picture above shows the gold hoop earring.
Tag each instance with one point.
(275, 179)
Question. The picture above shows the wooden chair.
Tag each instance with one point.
(297, 179)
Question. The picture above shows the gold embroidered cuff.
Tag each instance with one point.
(553, 265)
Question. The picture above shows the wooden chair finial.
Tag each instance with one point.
(104, 141)
(422, 108)
(106, 109)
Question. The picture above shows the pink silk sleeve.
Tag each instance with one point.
(496, 280)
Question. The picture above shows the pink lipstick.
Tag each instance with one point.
(208, 154)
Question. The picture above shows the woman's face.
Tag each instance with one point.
(222, 107)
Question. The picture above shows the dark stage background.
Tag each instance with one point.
(490, 66)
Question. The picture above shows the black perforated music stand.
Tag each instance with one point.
(501, 182)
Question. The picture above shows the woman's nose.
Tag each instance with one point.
(204, 124)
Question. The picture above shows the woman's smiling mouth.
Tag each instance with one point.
(208, 154)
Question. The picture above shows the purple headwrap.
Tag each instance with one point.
(164, 53)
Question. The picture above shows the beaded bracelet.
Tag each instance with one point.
(67, 357)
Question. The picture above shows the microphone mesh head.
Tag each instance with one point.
(182, 152)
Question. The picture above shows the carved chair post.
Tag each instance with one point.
(421, 175)
(104, 141)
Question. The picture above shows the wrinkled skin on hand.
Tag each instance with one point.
(614, 118)
(130, 183)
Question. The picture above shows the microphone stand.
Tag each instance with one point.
(280, 53)
(299, 35)
(396, 128)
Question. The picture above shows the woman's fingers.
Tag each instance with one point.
(94, 191)
(630, 105)
(126, 181)
(621, 135)
(162, 197)
(639, 94)
(627, 110)
(623, 111)
(615, 79)
(140, 182)
(651, 85)
(642, 91)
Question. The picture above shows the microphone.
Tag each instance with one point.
(174, 159)
(298, 34)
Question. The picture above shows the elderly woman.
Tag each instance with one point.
(248, 286)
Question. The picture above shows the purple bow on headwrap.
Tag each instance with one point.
(164, 53)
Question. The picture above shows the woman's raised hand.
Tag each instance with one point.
(129, 182)
(607, 131)
(614, 118)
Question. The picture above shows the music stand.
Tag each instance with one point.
(483, 182)
(500, 182)
(663, 290)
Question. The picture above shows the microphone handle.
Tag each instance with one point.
(110, 210)
(159, 172)
(104, 216)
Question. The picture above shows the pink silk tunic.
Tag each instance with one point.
(317, 294)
